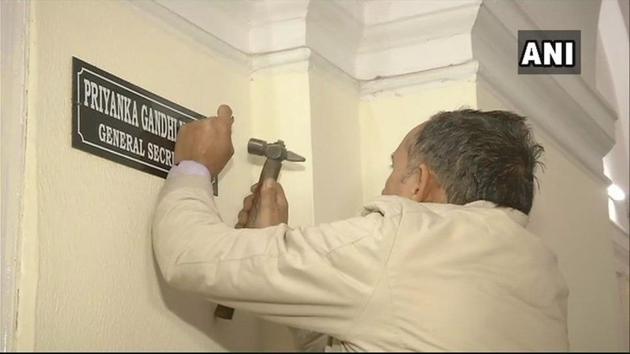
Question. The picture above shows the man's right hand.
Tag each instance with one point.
(271, 206)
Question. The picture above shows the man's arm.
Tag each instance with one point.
(317, 278)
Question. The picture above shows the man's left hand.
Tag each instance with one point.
(207, 141)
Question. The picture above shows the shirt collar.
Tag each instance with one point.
(516, 215)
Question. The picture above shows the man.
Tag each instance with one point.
(441, 261)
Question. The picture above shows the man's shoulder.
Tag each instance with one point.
(479, 218)
(393, 205)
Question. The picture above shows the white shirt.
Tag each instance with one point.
(403, 276)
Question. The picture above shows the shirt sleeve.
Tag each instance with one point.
(316, 278)
(189, 168)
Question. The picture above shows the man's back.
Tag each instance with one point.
(404, 276)
(461, 278)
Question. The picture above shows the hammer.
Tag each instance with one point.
(275, 154)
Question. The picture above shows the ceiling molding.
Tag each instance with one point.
(336, 29)
(446, 22)
(418, 41)
(322, 65)
(277, 36)
(178, 22)
(575, 85)
(334, 33)
(277, 25)
(299, 59)
(270, 11)
(401, 84)
(590, 101)
(382, 12)
(414, 57)
(217, 20)
(410, 44)
(280, 59)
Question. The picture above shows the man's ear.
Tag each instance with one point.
(423, 184)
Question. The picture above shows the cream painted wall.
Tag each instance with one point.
(570, 214)
(89, 217)
(281, 104)
(97, 285)
(336, 145)
(315, 112)
(89, 279)
(280, 101)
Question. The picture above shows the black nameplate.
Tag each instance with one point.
(122, 122)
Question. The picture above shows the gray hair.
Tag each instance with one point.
(479, 155)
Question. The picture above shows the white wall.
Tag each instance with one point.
(612, 71)
(570, 213)
(86, 223)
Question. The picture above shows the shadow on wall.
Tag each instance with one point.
(239, 334)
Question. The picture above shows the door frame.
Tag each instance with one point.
(14, 57)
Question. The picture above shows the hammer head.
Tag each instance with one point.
(274, 151)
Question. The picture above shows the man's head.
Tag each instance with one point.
(466, 155)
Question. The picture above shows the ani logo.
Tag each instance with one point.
(549, 52)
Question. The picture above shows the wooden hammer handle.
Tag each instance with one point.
(271, 169)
